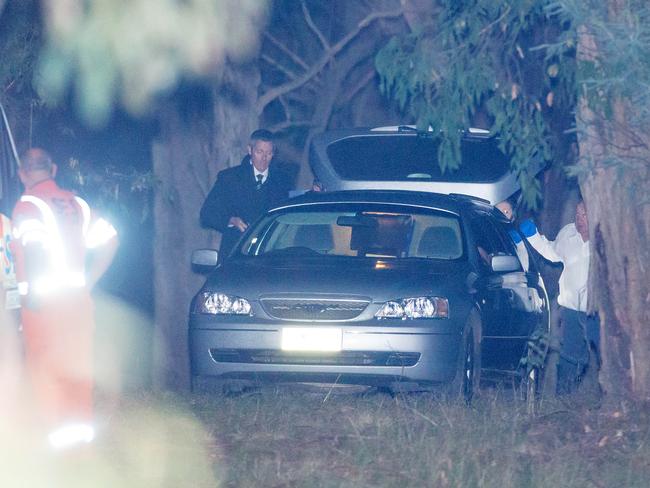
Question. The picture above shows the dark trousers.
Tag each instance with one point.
(580, 339)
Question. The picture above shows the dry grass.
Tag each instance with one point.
(306, 437)
(286, 437)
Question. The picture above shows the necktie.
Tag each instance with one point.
(259, 181)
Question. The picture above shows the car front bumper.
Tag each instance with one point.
(423, 351)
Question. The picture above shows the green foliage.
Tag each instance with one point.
(611, 78)
(122, 192)
(481, 59)
(619, 66)
(19, 41)
(130, 51)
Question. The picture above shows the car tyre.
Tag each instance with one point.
(466, 383)
(531, 387)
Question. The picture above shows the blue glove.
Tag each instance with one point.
(528, 228)
(514, 235)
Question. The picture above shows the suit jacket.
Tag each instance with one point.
(234, 194)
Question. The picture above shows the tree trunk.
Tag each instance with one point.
(180, 167)
(197, 140)
(614, 154)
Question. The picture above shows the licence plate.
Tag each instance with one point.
(324, 339)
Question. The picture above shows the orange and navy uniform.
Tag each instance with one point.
(53, 230)
(8, 288)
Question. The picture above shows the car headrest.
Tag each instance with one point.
(439, 242)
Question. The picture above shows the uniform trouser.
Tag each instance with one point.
(58, 339)
(580, 335)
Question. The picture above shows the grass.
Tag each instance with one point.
(307, 437)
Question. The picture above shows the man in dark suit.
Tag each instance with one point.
(242, 193)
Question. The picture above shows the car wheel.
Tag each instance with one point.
(532, 382)
(467, 380)
(531, 386)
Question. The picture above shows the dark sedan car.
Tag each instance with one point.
(399, 289)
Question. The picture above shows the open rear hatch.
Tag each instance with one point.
(401, 158)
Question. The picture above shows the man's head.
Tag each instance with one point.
(506, 209)
(316, 185)
(582, 222)
(36, 166)
(261, 149)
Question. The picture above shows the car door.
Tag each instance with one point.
(527, 301)
(505, 326)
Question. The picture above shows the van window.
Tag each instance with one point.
(409, 157)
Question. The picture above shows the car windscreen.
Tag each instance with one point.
(408, 157)
(358, 231)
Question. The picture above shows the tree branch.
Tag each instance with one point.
(294, 57)
(277, 65)
(286, 124)
(365, 79)
(312, 26)
(329, 54)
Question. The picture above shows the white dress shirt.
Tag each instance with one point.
(569, 249)
(265, 174)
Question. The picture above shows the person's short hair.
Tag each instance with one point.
(36, 159)
(262, 135)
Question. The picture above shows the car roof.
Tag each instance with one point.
(453, 203)
(348, 159)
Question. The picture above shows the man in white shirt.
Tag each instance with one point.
(579, 331)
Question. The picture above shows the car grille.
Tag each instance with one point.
(344, 358)
(313, 309)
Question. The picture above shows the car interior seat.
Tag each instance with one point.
(389, 237)
(317, 237)
(439, 242)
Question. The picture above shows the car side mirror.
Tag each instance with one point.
(204, 260)
(505, 263)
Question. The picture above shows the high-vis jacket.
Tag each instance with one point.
(53, 230)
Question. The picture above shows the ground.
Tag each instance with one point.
(322, 437)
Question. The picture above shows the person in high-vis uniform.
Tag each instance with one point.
(61, 249)
(9, 297)
(9, 321)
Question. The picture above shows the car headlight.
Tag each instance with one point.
(415, 308)
(221, 304)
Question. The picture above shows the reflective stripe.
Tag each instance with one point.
(31, 230)
(51, 284)
(23, 288)
(53, 240)
(100, 233)
(71, 435)
(85, 211)
(101, 230)
(59, 276)
(46, 232)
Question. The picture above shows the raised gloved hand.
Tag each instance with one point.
(528, 228)
(514, 235)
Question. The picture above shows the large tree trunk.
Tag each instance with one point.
(197, 140)
(180, 167)
(614, 154)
